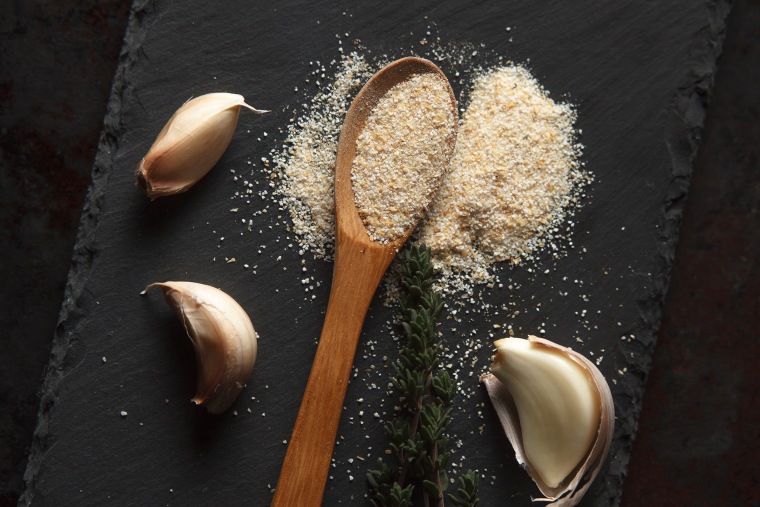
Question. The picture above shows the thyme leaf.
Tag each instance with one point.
(418, 441)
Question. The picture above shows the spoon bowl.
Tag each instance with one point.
(360, 264)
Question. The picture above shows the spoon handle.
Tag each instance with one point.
(358, 270)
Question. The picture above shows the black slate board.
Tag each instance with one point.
(639, 74)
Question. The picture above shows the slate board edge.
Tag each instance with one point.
(683, 134)
(684, 125)
(85, 247)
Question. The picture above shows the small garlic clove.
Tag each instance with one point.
(190, 144)
(557, 411)
(223, 337)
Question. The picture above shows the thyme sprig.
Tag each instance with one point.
(417, 433)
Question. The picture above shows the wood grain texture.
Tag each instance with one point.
(360, 264)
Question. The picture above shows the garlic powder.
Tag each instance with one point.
(401, 154)
(512, 176)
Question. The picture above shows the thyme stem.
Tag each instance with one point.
(417, 433)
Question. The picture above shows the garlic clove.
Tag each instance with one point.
(558, 406)
(557, 411)
(190, 144)
(223, 337)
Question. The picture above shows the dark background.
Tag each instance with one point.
(699, 434)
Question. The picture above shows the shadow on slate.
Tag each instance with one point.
(115, 425)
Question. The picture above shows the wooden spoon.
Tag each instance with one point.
(360, 264)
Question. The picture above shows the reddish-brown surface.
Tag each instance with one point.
(699, 433)
(57, 60)
(698, 440)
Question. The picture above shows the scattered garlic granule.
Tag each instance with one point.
(307, 164)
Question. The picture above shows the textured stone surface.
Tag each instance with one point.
(57, 61)
(698, 436)
(745, 194)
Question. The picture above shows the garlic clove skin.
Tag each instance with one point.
(557, 411)
(558, 406)
(223, 337)
(190, 144)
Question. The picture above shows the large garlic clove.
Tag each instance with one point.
(557, 411)
(190, 144)
(223, 337)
